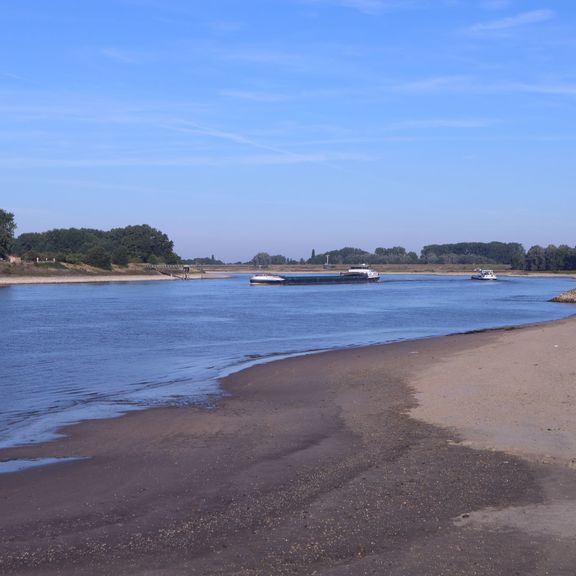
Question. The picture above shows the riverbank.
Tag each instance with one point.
(77, 278)
(418, 457)
(79, 274)
(80, 279)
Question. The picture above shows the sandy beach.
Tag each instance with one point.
(17, 280)
(80, 279)
(447, 456)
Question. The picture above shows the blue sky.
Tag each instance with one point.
(286, 125)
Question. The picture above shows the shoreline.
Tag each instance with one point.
(59, 432)
(8, 280)
(84, 279)
(80, 279)
(325, 457)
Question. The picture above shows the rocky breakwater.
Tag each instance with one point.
(567, 297)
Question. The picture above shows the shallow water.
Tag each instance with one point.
(18, 465)
(81, 351)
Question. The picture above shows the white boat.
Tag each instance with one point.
(484, 275)
(371, 275)
(267, 279)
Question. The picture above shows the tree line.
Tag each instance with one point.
(513, 254)
(142, 243)
(551, 258)
(121, 246)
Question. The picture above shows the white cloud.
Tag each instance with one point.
(122, 56)
(553, 89)
(496, 4)
(472, 85)
(432, 84)
(241, 160)
(368, 6)
(265, 56)
(254, 96)
(274, 97)
(523, 19)
(443, 123)
(225, 26)
(13, 77)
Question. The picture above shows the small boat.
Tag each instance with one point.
(371, 275)
(266, 279)
(354, 275)
(484, 275)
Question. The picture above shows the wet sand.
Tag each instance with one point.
(416, 458)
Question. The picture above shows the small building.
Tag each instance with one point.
(14, 259)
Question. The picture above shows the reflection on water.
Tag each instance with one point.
(73, 352)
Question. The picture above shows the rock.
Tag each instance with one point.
(567, 297)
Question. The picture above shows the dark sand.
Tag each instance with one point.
(312, 465)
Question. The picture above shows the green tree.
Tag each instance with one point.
(474, 252)
(552, 258)
(60, 241)
(142, 241)
(536, 259)
(203, 261)
(98, 256)
(564, 255)
(7, 228)
(395, 255)
(120, 256)
(278, 259)
(139, 243)
(343, 256)
(571, 259)
(261, 259)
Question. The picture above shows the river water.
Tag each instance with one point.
(81, 351)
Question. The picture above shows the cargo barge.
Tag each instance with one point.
(354, 275)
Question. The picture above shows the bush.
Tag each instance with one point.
(172, 259)
(70, 258)
(153, 259)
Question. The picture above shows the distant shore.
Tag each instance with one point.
(61, 273)
(76, 275)
(80, 279)
(452, 455)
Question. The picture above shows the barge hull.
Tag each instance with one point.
(321, 279)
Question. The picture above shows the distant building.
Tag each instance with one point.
(14, 259)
